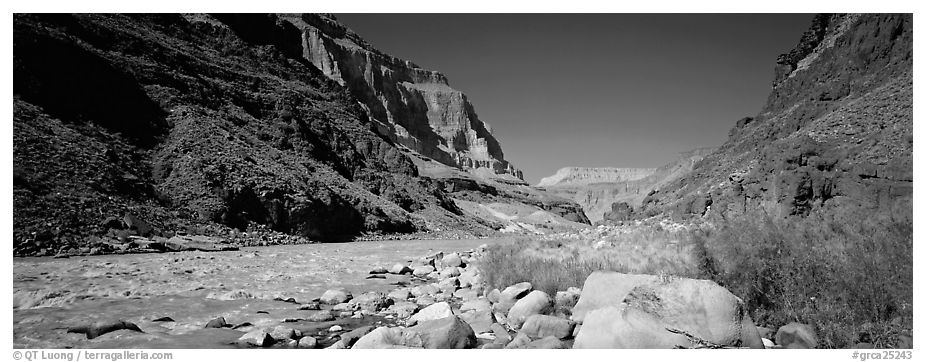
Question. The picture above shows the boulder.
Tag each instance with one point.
(217, 323)
(511, 294)
(449, 272)
(432, 312)
(382, 338)
(371, 301)
(284, 333)
(259, 337)
(494, 295)
(568, 298)
(445, 333)
(422, 270)
(400, 294)
(796, 336)
(320, 316)
(335, 296)
(644, 316)
(448, 285)
(135, 223)
(536, 302)
(102, 327)
(480, 320)
(424, 301)
(400, 269)
(476, 304)
(348, 339)
(607, 289)
(540, 326)
(519, 341)
(307, 342)
(379, 270)
(451, 260)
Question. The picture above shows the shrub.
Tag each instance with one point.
(847, 277)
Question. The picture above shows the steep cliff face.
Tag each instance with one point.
(836, 131)
(412, 106)
(191, 120)
(598, 190)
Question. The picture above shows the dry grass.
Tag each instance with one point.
(559, 263)
(851, 277)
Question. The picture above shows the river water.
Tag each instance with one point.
(192, 288)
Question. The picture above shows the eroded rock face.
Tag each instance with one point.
(412, 106)
(836, 131)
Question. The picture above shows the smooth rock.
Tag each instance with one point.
(307, 342)
(508, 297)
(100, 328)
(258, 337)
(379, 270)
(796, 336)
(217, 323)
(536, 302)
(320, 316)
(400, 294)
(640, 320)
(423, 270)
(479, 320)
(400, 269)
(283, 333)
(349, 338)
(445, 333)
(335, 296)
(432, 312)
(450, 272)
(603, 289)
(451, 260)
(540, 326)
(385, 337)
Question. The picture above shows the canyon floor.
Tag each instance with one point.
(193, 287)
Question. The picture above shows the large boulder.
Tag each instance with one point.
(508, 297)
(102, 327)
(540, 326)
(607, 289)
(431, 312)
(445, 333)
(382, 338)
(796, 336)
(451, 260)
(536, 302)
(665, 314)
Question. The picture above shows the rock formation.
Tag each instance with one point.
(200, 121)
(414, 107)
(597, 189)
(836, 131)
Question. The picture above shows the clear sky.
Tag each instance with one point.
(621, 90)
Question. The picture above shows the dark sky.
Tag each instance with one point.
(622, 90)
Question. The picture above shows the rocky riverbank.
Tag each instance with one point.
(436, 301)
